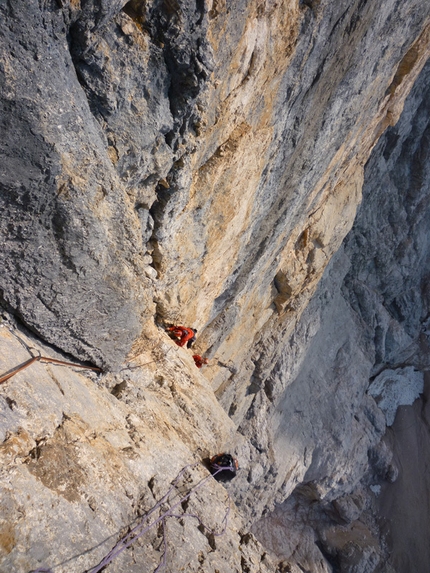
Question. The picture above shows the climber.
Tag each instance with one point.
(226, 463)
(199, 360)
(193, 339)
(183, 335)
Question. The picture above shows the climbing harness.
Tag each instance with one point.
(191, 341)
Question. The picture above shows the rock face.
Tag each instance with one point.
(202, 164)
(372, 342)
(221, 147)
(82, 463)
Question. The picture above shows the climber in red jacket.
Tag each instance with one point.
(199, 361)
(183, 335)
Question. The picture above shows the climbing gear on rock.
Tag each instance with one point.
(223, 467)
(182, 335)
(199, 361)
(145, 524)
(47, 360)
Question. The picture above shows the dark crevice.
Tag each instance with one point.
(337, 24)
(319, 73)
(311, 4)
(118, 389)
(244, 565)
(268, 390)
(232, 410)
(333, 560)
(151, 485)
(200, 10)
(11, 403)
(165, 190)
(135, 10)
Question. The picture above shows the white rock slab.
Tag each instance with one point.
(394, 388)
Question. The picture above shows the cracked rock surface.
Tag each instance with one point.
(366, 369)
(83, 459)
(202, 164)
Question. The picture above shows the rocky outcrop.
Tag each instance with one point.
(170, 162)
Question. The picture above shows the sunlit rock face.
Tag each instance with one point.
(170, 162)
(186, 156)
(369, 356)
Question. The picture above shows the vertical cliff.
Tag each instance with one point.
(369, 357)
(166, 162)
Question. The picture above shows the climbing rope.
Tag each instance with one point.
(47, 360)
(143, 527)
(38, 358)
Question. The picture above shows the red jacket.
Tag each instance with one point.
(199, 360)
(183, 333)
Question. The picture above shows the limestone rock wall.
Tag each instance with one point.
(201, 163)
(369, 356)
(187, 155)
(84, 459)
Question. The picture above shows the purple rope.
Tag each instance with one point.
(139, 530)
(129, 539)
(221, 468)
(125, 542)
